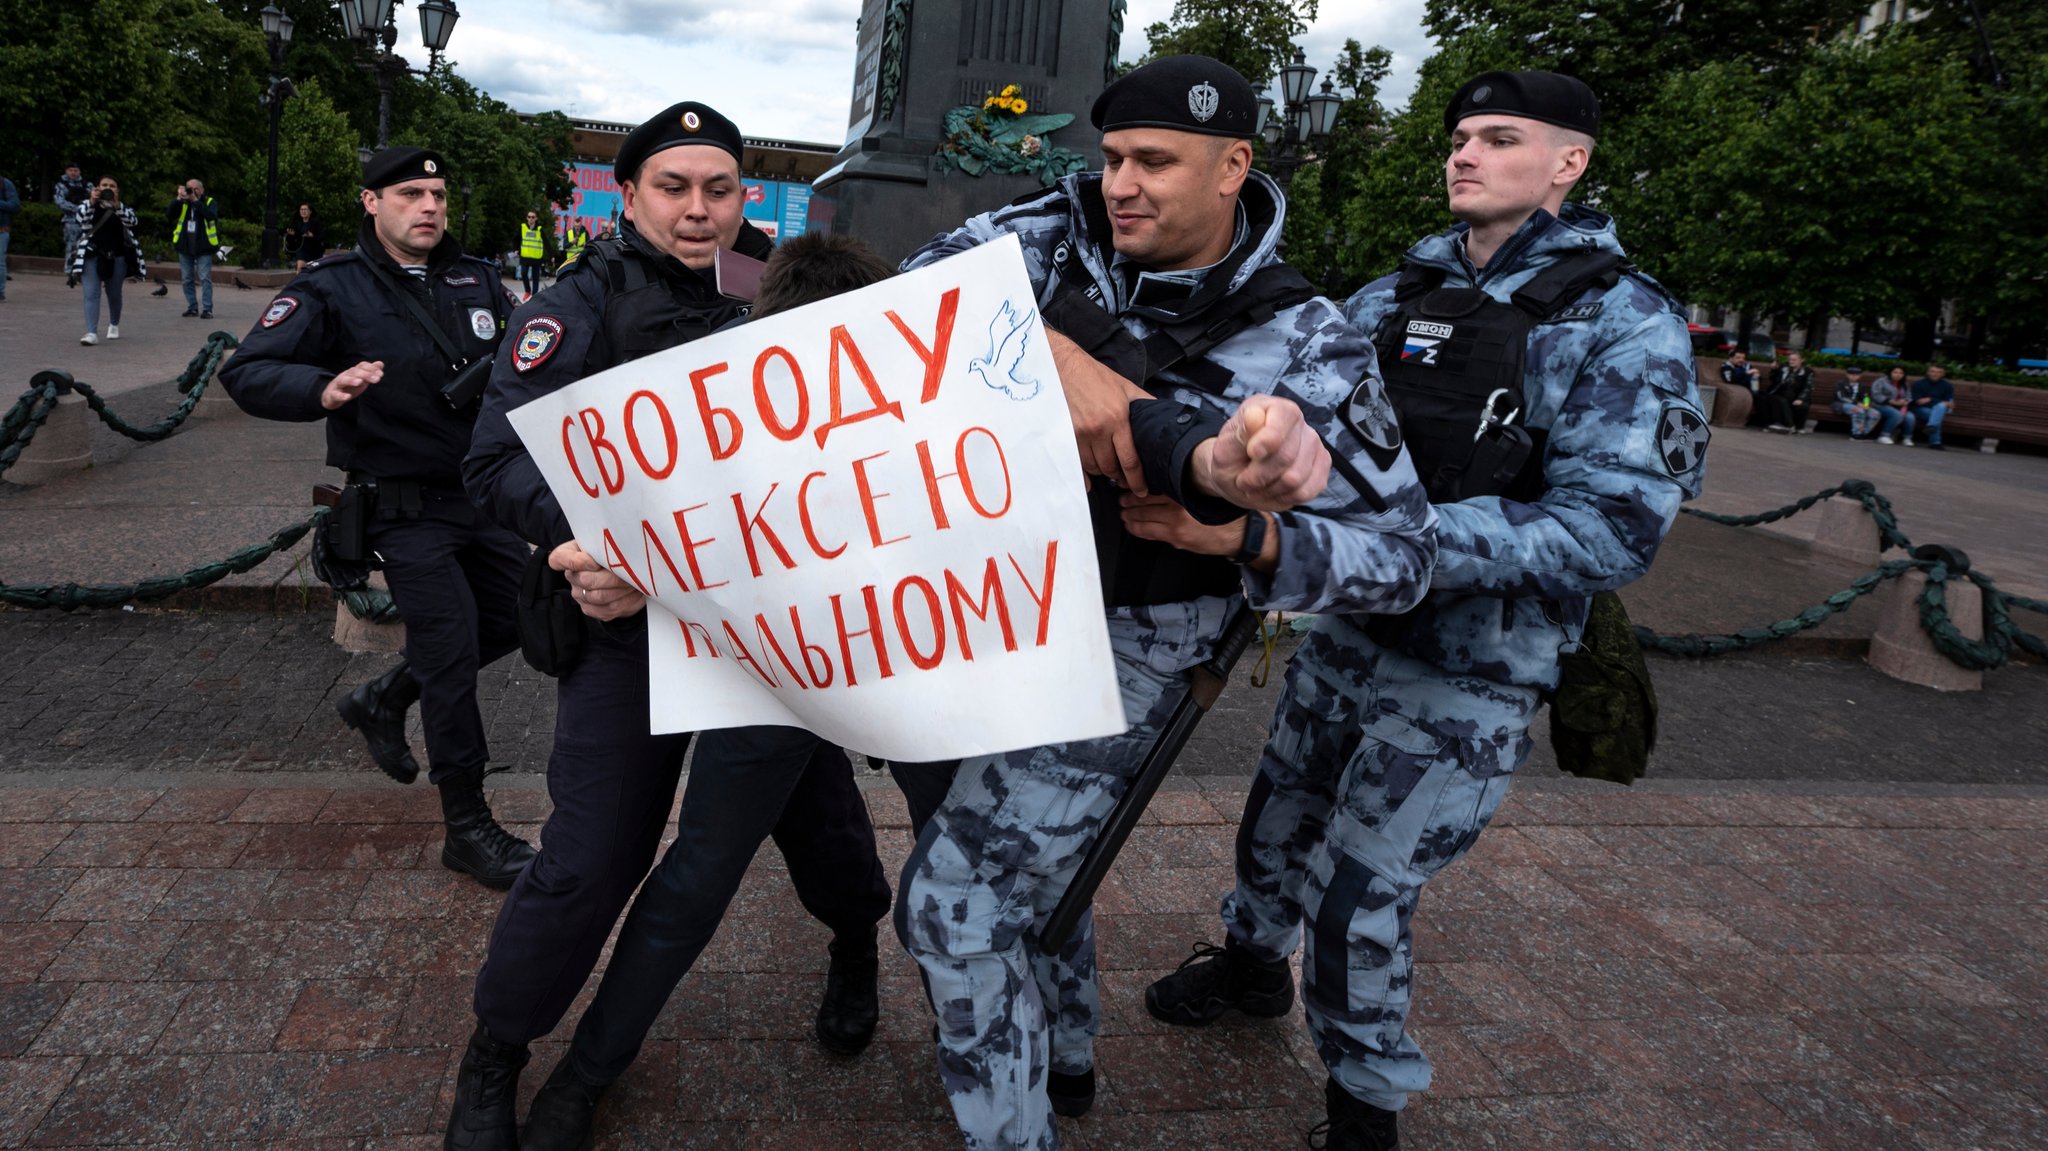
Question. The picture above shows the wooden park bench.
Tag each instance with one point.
(1993, 413)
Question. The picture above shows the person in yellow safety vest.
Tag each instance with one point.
(533, 249)
(195, 234)
(573, 243)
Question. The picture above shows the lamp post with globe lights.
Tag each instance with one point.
(372, 25)
(277, 33)
(1304, 122)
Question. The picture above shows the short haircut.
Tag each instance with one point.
(816, 266)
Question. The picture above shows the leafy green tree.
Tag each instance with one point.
(1624, 48)
(513, 165)
(316, 163)
(1814, 191)
(1255, 37)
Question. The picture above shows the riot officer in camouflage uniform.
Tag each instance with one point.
(1170, 237)
(1396, 738)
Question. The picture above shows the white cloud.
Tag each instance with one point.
(780, 68)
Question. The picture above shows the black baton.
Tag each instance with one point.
(1205, 684)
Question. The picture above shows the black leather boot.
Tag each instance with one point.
(1070, 1095)
(1354, 1125)
(1218, 979)
(486, 1089)
(562, 1110)
(847, 1015)
(475, 843)
(377, 710)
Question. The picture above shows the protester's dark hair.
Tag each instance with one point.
(816, 266)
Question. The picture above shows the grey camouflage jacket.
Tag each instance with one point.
(1337, 553)
(1627, 443)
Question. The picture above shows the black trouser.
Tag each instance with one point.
(529, 274)
(612, 786)
(746, 784)
(455, 579)
(924, 787)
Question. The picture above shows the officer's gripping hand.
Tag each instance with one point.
(602, 595)
(1266, 459)
(1099, 401)
(347, 385)
(1159, 518)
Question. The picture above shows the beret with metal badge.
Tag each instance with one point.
(1183, 93)
(686, 123)
(397, 165)
(1547, 96)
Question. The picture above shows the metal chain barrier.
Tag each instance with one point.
(34, 406)
(365, 603)
(1938, 563)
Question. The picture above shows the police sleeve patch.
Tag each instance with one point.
(537, 341)
(280, 310)
(1681, 439)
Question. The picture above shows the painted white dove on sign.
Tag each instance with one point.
(1008, 336)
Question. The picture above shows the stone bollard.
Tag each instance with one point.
(360, 635)
(1731, 406)
(1847, 533)
(61, 446)
(1900, 648)
(215, 401)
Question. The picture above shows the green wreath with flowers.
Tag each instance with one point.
(1004, 135)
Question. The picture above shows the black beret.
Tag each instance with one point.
(1184, 93)
(1561, 100)
(397, 165)
(686, 123)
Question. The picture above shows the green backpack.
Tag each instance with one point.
(1603, 717)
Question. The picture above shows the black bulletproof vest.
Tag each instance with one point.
(1138, 571)
(1453, 363)
(648, 312)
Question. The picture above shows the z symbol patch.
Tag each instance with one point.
(279, 310)
(482, 324)
(537, 341)
(1681, 439)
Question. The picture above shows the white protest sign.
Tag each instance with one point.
(865, 517)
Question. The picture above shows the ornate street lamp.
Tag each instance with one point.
(277, 33)
(1304, 121)
(372, 25)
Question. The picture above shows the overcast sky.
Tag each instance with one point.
(781, 68)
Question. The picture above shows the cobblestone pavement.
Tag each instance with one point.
(217, 965)
(254, 692)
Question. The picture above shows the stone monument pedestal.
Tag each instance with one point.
(915, 62)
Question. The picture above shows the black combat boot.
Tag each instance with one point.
(475, 842)
(1354, 1125)
(847, 1014)
(1071, 1095)
(486, 1088)
(1216, 979)
(562, 1110)
(377, 710)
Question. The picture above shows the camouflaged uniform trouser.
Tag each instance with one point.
(1380, 770)
(993, 863)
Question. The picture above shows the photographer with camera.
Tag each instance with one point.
(391, 344)
(195, 233)
(106, 253)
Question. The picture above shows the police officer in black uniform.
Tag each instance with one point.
(349, 342)
(645, 290)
